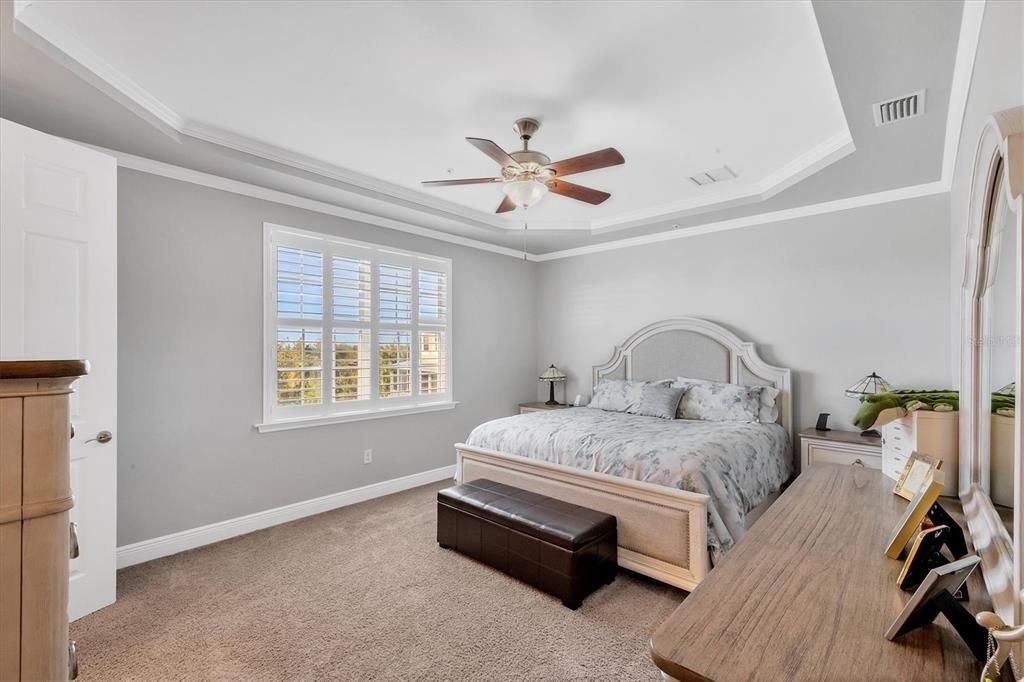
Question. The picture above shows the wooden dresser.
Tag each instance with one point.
(36, 537)
(808, 594)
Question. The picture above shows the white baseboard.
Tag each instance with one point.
(147, 550)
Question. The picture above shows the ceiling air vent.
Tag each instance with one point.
(712, 176)
(899, 108)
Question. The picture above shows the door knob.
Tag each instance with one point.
(102, 437)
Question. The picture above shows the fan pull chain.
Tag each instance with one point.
(526, 226)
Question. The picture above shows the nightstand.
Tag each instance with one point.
(839, 447)
(539, 407)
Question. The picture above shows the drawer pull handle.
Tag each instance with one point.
(72, 660)
(858, 462)
(73, 527)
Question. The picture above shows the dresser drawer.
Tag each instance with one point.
(898, 442)
(839, 453)
(903, 426)
(897, 446)
(892, 465)
(895, 452)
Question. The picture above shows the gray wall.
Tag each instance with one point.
(190, 314)
(832, 297)
(997, 84)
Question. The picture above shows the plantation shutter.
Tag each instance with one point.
(351, 295)
(299, 344)
(432, 290)
(394, 339)
(353, 327)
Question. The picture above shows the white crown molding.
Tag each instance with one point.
(45, 35)
(195, 177)
(970, 30)
(60, 44)
(803, 166)
(173, 172)
(807, 164)
(963, 73)
(354, 180)
(147, 550)
(903, 193)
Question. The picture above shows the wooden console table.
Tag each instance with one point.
(808, 595)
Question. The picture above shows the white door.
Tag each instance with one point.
(58, 299)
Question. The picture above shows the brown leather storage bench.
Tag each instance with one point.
(564, 549)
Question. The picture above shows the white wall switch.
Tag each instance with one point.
(367, 456)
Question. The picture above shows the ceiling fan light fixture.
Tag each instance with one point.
(525, 193)
(528, 174)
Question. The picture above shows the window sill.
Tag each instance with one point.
(304, 423)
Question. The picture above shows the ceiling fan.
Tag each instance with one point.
(529, 175)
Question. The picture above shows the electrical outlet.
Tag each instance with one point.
(367, 456)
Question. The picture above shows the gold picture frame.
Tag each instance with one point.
(915, 472)
(918, 508)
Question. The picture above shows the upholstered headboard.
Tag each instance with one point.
(695, 348)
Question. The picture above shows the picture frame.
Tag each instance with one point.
(935, 596)
(916, 511)
(949, 578)
(915, 472)
(921, 558)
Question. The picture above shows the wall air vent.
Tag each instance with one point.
(899, 108)
(713, 176)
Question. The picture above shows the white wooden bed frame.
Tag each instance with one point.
(662, 531)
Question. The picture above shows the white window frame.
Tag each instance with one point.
(275, 417)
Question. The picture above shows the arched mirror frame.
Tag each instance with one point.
(998, 177)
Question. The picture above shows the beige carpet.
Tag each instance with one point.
(360, 593)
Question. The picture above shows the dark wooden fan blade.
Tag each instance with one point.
(464, 181)
(506, 205)
(587, 162)
(577, 192)
(494, 151)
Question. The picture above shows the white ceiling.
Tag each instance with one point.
(381, 95)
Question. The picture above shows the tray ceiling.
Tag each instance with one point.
(381, 95)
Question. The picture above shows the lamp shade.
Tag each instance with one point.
(525, 192)
(552, 373)
(869, 385)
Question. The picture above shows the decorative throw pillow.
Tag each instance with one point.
(714, 401)
(617, 395)
(769, 413)
(658, 400)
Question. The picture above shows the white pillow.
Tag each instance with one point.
(622, 395)
(717, 401)
(658, 400)
(769, 413)
(617, 395)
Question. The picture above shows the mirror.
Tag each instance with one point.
(999, 304)
(991, 467)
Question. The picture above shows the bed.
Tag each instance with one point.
(682, 490)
